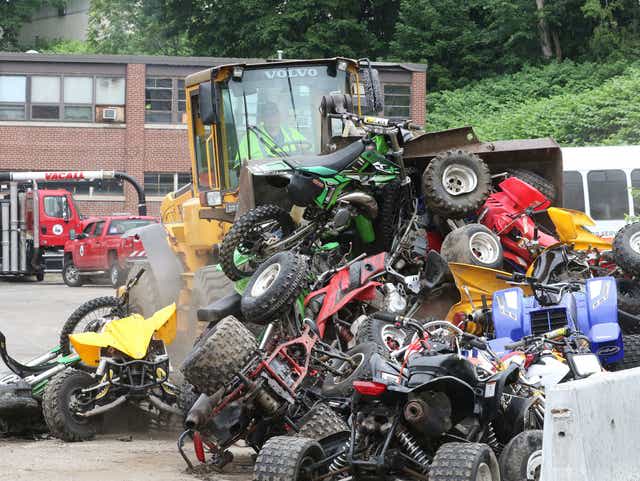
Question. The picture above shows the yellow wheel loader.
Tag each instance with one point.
(231, 110)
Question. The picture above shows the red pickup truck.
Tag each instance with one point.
(102, 248)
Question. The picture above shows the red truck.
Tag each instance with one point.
(102, 248)
(36, 223)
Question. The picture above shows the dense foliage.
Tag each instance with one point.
(577, 104)
(511, 68)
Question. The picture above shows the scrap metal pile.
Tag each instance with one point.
(331, 360)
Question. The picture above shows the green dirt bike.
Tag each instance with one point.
(352, 197)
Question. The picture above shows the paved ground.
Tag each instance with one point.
(31, 315)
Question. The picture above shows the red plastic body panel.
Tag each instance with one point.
(351, 282)
(503, 214)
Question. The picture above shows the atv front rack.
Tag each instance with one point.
(137, 375)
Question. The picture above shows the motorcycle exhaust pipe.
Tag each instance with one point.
(364, 201)
(200, 411)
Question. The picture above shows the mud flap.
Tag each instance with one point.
(167, 268)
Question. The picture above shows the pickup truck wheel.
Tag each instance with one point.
(116, 275)
(71, 274)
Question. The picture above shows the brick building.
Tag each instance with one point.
(125, 113)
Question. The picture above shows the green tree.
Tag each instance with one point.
(14, 14)
(301, 28)
(134, 27)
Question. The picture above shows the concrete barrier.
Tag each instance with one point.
(592, 429)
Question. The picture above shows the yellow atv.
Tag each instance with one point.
(131, 365)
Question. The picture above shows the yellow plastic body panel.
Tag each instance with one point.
(473, 282)
(130, 335)
(570, 224)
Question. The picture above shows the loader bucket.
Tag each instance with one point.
(542, 156)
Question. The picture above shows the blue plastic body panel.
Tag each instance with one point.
(592, 311)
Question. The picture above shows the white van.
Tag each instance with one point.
(598, 181)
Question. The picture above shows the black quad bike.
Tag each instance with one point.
(256, 390)
(431, 417)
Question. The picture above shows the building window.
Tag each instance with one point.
(573, 191)
(164, 100)
(110, 90)
(13, 90)
(78, 98)
(607, 194)
(56, 97)
(161, 183)
(397, 101)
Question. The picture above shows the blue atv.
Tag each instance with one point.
(587, 306)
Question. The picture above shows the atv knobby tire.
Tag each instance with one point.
(473, 244)
(371, 331)
(214, 361)
(321, 422)
(516, 454)
(343, 386)
(62, 423)
(464, 462)
(274, 287)
(82, 313)
(144, 297)
(444, 202)
(629, 302)
(282, 458)
(626, 248)
(631, 357)
(544, 186)
(239, 236)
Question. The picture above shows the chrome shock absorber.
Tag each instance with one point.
(340, 462)
(492, 441)
(410, 445)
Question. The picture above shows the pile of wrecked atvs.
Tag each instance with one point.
(412, 355)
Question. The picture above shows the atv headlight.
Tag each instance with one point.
(211, 198)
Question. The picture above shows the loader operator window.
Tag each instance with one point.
(274, 112)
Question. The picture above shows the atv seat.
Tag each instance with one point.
(218, 310)
(335, 161)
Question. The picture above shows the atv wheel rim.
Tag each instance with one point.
(484, 473)
(459, 179)
(72, 274)
(265, 280)
(534, 466)
(391, 335)
(635, 243)
(484, 247)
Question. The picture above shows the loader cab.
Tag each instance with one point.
(245, 112)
